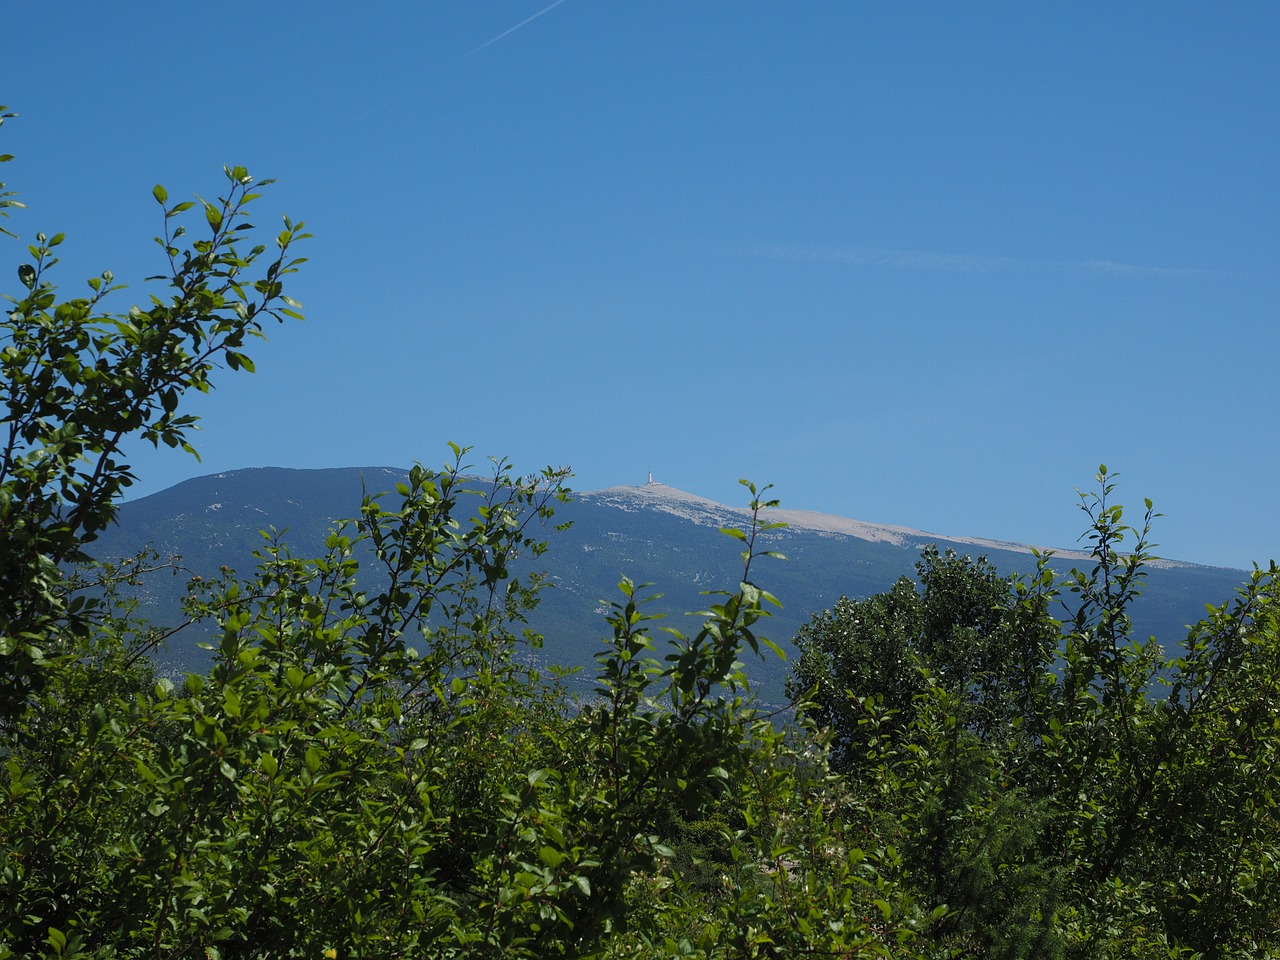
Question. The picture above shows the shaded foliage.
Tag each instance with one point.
(1063, 788)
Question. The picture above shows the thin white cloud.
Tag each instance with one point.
(1133, 270)
(507, 33)
(938, 262)
(897, 259)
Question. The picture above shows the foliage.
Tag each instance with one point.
(76, 380)
(364, 771)
(1063, 788)
(373, 766)
(962, 628)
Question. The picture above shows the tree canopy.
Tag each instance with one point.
(372, 766)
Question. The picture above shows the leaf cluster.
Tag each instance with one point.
(1062, 787)
(77, 379)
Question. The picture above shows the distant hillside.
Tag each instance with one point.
(651, 533)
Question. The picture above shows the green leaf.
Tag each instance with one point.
(782, 654)
(160, 193)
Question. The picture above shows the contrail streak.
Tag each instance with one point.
(506, 33)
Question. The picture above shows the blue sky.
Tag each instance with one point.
(925, 264)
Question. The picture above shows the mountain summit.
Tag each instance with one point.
(652, 533)
(658, 496)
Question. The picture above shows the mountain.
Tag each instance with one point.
(651, 533)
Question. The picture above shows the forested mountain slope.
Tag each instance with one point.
(652, 533)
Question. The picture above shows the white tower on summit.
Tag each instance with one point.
(651, 476)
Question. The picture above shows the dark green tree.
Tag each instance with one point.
(980, 636)
(1062, 787)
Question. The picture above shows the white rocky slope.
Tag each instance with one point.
(659, 496)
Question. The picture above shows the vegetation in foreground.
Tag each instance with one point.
(378, 773)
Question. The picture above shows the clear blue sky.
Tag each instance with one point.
(925, 264)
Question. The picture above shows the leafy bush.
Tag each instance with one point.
(364, 771)
(373, 767)
(1062, 788)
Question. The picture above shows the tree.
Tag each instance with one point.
(921, 690)
(370, 767)
(1126, 796)
(961, 626)
(76, 380)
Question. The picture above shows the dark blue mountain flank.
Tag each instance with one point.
(651, 533)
